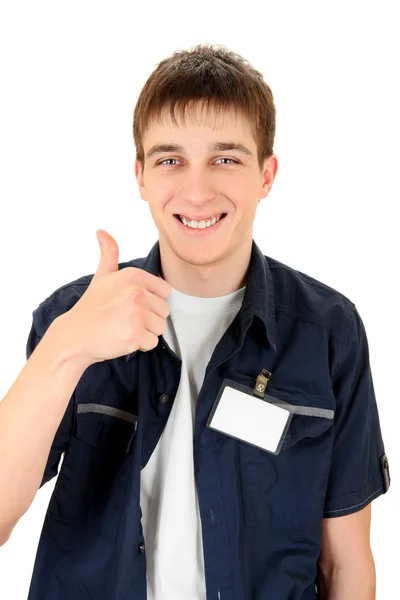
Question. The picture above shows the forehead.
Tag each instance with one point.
(197, 116)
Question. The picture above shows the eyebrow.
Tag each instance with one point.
(217, 146)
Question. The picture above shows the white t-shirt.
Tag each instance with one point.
(168, 495)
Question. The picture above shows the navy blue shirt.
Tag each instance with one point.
(261, 513)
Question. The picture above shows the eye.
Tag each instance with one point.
(165, 160)
(231, 159)
(224, 158)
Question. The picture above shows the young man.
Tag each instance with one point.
(233, 450)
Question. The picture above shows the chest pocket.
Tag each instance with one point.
(288, 489)
(90, 490)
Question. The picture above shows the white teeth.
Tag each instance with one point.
(200, 224)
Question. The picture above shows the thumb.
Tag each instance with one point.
(109, 253)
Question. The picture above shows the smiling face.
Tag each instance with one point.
(194, 169)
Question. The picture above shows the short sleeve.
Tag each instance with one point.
(41, 322)
(359, 470)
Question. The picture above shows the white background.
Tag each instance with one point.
(70, 77)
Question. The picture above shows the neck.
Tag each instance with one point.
(223, 276)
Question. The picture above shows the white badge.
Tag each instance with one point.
(262, 422)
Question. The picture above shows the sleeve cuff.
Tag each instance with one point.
(351, 503)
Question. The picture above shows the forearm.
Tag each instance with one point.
(29, 416)
(352, 582)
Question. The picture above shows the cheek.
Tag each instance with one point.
(162, 191)
(159, 196)
(239, 189)
(244, 200)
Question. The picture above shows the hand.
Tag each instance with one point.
(121, 311)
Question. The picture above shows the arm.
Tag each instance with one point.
(30, 414)
(346, 568)
(359, 473)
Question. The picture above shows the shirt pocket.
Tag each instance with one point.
(90, 490)
(288, 489)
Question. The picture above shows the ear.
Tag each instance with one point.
(140, 179)
(270, 170)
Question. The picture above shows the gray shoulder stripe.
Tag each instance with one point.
(310, 411)
(314, 412)
(107, 410)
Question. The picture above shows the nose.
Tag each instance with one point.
(197, 188)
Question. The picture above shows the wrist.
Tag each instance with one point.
(65, 343)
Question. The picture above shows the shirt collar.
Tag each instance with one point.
(258, 300)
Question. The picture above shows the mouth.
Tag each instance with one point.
(223, 215)
(200, 231)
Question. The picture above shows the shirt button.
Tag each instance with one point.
(142, 547)
(164, 398)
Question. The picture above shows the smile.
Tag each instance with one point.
(196, 228)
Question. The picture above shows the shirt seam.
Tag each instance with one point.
(46, 311)
(300, 317)
(66, 285)
(316, 284)
(341, 362)
(328, 512)
(374, 481)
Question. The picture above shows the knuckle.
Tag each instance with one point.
(163, 327)
(134, 274)
(137, 314)
(136, 293)
(133, 331)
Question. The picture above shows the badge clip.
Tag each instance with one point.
(261, 383)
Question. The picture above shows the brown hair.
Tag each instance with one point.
(216, 76)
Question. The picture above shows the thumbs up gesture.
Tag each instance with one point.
(121, 311)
